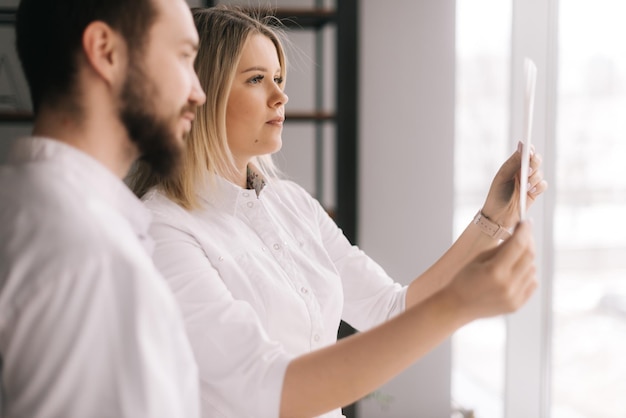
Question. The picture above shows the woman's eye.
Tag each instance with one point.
(187, 55)
(278, 80)
(256, 79)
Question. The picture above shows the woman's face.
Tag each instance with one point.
(256, 104)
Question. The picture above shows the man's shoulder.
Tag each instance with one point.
(31, 185)
(51, 235)
(32, 198)
(41, 207)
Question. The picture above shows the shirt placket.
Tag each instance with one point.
(280, 246)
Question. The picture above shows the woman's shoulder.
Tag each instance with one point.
(294, 195)
(163, 208)
(156, 200)
(290, 188)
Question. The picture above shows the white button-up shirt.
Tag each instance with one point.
(262, 276)
(88, 327)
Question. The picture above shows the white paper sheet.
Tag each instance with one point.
(530, 76)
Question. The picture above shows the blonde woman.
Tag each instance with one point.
(263, 275)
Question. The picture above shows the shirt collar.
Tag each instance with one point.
(100, 180)
(221, 193)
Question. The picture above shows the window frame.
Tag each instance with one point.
(527, 391)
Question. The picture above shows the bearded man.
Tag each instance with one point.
(88, 327)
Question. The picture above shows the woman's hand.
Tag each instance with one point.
(502, 203)
(499, 280)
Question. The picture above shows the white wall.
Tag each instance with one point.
(9, 132)
(406, 168)
(12, 84)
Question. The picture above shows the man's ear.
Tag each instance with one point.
(105, 51)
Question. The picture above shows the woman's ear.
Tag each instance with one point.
(105, 51)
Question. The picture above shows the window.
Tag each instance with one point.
(580, 124)
(483, 40)
(589, 332)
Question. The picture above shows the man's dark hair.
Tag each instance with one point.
(49, 38)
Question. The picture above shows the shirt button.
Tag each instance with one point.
(277, 247)
(304, 290)
(246, 194)
(250, 204)
(316, 337)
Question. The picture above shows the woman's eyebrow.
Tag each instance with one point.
(255, 68)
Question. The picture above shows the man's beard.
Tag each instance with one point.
(153, 135)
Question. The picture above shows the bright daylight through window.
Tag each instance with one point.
(588, 366)
(483, 38)
(589, 336)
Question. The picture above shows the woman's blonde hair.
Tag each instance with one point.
(223, 31)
